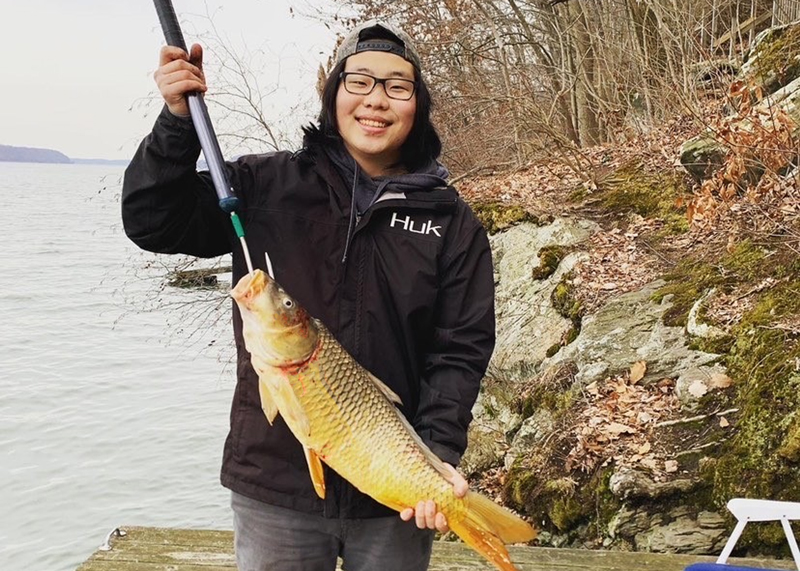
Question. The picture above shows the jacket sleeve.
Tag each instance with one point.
(463, 341)
(167, 206)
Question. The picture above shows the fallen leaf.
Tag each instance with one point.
(645, 417)
(720, 381)
(723, 422)
(671, 466)
(644, 448)
(637, 371)
(698, 389)
(649, 462)
(617, 428)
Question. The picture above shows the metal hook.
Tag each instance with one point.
(116, 532)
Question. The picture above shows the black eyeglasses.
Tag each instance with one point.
(363, 84)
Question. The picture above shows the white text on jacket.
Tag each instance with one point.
(412, 226)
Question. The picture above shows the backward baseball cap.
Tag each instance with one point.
(375, 35)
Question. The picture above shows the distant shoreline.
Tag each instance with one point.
(11, 154)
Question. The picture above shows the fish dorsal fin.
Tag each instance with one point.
(387, 392)
(432, 458)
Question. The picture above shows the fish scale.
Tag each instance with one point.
(346, 418)
(344, 400)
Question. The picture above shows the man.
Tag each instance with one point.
(364, 232)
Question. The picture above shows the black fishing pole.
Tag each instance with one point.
(228, 202)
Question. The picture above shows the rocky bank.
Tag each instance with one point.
(648, 319)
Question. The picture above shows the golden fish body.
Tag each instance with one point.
(345, 417)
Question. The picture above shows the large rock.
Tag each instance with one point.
(773, 47)
(702, 155)
(629, 328)
(698, 534)
(627, 483)
(678, 530)
(527, 323)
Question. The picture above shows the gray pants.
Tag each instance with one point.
(271, 538)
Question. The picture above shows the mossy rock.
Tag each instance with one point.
(761, 458)
(633, 190)
(691, 279)
(774, 62)
(497, 216)
(702, 156)
(561, 504)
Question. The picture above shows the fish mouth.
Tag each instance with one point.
(249, 286)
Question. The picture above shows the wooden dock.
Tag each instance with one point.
(158, 549)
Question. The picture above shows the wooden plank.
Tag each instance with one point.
(742, 28)
(161, 549)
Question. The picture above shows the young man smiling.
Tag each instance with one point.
(364, 231)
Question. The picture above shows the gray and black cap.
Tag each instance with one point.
(375, 36)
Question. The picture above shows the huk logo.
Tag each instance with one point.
(415, 227)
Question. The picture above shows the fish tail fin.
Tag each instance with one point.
(487, 527)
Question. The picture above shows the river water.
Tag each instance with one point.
(114, 392)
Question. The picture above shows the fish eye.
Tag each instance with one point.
(288, 303)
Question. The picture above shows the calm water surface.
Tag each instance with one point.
(114, 396)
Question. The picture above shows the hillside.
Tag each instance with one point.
(648, 351)
(31, 155)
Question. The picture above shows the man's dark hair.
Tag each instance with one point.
(422, 144)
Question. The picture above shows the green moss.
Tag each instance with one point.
(549, 259)
(553, 349)
(565, 301)
(718, 345)
(790, 447)
(778, 55)
(691, 279)
(761, 460)
(561, 503)
(553, 392)
(631, 189)
(564, 512)
(572, 334)
(496, 216)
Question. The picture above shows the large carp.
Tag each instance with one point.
(345, 417)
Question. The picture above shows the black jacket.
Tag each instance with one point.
(411, 296)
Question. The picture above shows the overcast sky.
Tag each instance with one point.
(72, 69)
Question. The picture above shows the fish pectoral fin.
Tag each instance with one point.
(290, 406)
(387, 392)
(277, 396)
(267, 402)
(315, 471)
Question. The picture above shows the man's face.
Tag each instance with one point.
(375, 126)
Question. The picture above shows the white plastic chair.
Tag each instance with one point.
(762, 510)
